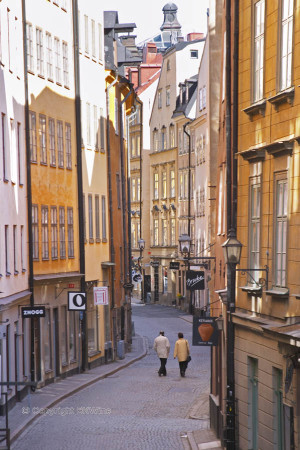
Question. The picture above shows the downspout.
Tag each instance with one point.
(29, 195)
(235, 112)
(79, 180)
(189, 209)
(126, 249)
(141, 160)
(110, 197)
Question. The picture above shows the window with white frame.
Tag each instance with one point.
(155, 232)
(138, 145)
(200, 99)
(51, 129)
(194, 54)
(46, 330)
(155, 140)
(172, 136)
(63, 325)
(62, 233)
(133, 235)
(54, 242)
(70, 233)
(68, 147)
(49, 56)
(88, 124)
(86, 34)
(181, 186)
(65, 63)
(116, 116)
(32, 136)
(133, 189)
(102, 132)
(259, 30)
(45, 232)
(100, 41)
(91, 228)
(15, 249)
(180, 146)
(29, 39)
(103, 205)
(164, 232)
(254, 228)
(60, 144)
(39, 52)
(6, 242)
(159, 98)
(164, 184)
(138, 189)
(57, 60)
(43, 147)
(22, 248)
(4, 146)
(35, 233)
(97, 218)
(155, 186)
(286, 51)
(173, 231)
(163, 138)
(96, 131)
(281, 231)
(93, 31)
(172, 183)
(168, 96)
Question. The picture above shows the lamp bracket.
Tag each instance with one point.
(263, 282)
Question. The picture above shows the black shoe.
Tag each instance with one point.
(159, 374)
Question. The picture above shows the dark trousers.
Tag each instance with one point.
(162, 369)
(182, 367)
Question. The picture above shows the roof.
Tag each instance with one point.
(184, 107)
(170, 7)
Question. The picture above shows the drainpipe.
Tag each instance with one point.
(84, 340)
(141, 160)
(110, 197)
(189, 207)
(29, 197)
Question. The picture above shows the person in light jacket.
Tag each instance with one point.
(162, 348)
(181, 351)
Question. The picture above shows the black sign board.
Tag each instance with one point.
(195, 280)
(33, 311)
(205, 331)
(154, 263)
(174, 265)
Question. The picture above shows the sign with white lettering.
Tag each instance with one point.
(33, 311)
(101, 295)
(195, 280)
(76, 301)
(205, 331)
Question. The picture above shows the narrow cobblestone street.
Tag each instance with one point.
(134, 408)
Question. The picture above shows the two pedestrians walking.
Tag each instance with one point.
(181, 352)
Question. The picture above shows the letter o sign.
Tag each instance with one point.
(76, 301)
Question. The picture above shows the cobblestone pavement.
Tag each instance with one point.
(134, 408)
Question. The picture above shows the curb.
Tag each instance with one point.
(18, 431)
(191, 440)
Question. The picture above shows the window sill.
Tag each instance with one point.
(254, 154)
(53, 165)
(43, 164)
(91, 240)
(16, 272)
(50, 79)
(256, 109)
(23, 270)
(58, 83)
(67, 87)
(8, 274)
(281, 148)
(278, 292)
(104, 240)
(30, 71)
(94, 353)
(41, 76)
(252, 290)
(98, 240)
(285, 96)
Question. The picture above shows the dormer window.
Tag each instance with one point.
(194, 54)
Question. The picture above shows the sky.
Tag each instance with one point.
(148, 15)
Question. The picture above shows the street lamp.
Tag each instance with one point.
(185, 247)
(141, 244)
(232, 249)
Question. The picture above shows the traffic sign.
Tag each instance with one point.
(76, 301)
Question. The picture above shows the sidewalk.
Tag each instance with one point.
(42, 400)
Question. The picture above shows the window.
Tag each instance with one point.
(70, 233)
(90, 205)
(20, 165)
(155, 190)
(97, 217)
(164, 185)
(100, 41)
(15, 249)
(47, 340)
(133, 189)
(88, 124)
(252, 403)
(102, 135)
(79, 31)
(163, 139)
(63, 323)
(54, 244)
(35, 233)
(259, 29)
(204, 97)
(173, 232)
(22, 248)
(49, 56)
(43, 149)
(32, 137)
(194, 54)
(103, 202)
(164, 232)
(168, 64)
(200, 99)
(186, 184)
(68, 147)
(7, 262)
(138, 145)
(95, 128)
(45, 235)
(159, 98)
(133, 235)
(138, 189)
(172, 183)
(65, 63)
(39, 52)
(72, 335)
(281, 232)
(51, 129)
(287, 16)
(86, 34)
(116, 116)
(57, 60)
(155, 232)
(278, 409)
(84, 218)
(168, 93)
(180, 141)
(62, 234)
(155, 140)
(4, 156)
(254, 228)
(29, 39)
(181, 186)
(172, 136)
(93, 29)
(1, 59)
(60, 144)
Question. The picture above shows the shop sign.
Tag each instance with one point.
(205, 331)
(174, 265)
(76, 301)
(101, 295)
(195, 280)
(33, 311)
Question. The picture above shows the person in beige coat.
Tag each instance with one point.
(162, 348)
(182, 351)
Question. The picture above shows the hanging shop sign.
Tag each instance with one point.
(174, 265)
(101, 295)
(195, 280)
(76, 301)
(33, 311)
(205, 331)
